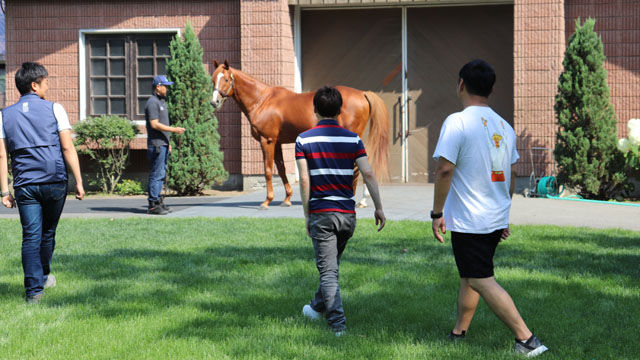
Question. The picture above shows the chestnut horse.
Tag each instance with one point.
(278, 115)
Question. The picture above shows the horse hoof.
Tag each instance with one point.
(285, 203)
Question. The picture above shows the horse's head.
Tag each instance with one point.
(223, 86)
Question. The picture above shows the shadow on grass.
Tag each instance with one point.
(390, 296)
(585, 253)
(574, 320)
(621, 239)
(150, 277)
(8, 291)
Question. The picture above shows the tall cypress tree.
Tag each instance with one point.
(586, 152)
(196, 161)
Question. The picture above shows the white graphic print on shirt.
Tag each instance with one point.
(498, 150)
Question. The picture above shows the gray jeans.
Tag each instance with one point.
(330, 232)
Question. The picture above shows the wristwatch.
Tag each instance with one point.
(436, 215)
(7, 193)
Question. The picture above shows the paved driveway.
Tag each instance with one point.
(413, 202)
(400, 202)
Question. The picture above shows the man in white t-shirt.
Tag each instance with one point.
(475, 156)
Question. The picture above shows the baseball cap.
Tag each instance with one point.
(161, 80)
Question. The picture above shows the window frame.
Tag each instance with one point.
(107, 77)
(136, 57)
(131, 93)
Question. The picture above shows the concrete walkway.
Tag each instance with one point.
(401, 202)
(413, 202)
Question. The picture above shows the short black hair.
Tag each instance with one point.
(478, 76)
(28, 73)
(327, 101)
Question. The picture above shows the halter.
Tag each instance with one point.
(224, 96)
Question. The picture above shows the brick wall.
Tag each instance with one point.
(256, 36)
(542, 28)
(618, 24)
(539, 43)
(266, 54)
(48, 32)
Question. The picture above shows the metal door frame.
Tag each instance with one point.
(405, 100)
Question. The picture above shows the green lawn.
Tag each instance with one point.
(234, 288)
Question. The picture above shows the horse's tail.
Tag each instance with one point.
(378, 141)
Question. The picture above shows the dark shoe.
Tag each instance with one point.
(155, 208)
(457, 337)
(35, 299)
(531, 348)
(51, 281)
(164, 206)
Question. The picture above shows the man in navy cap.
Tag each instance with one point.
(158, 129)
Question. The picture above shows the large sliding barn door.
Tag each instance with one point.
(360, 49)
(363, 49)
(440, 40)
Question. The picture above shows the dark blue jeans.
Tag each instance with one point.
(40, 207)
(158, 157)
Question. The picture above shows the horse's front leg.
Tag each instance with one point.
(268, 147)
(283, 175)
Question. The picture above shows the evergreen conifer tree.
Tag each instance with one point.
(196, 161)
(586, 142)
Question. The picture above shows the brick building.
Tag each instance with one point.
(102, 56)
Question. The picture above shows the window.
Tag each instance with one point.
(120, 71)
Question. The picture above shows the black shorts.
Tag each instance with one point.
(474, 253)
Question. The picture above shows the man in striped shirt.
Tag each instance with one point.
(326, 155)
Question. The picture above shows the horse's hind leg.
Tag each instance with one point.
(283, 175)
(365, 194)
(267, 155)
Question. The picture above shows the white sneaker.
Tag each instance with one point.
(51, 282)
(340, 333)
(308, 311)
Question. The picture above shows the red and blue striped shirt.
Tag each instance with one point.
(331, 152)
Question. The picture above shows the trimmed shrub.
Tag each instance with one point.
(586, 153)
(196, 161)
(106, 140)
(129, 187)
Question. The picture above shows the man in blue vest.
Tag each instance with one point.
(36, 133)
(326, 156)
(158, 129)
